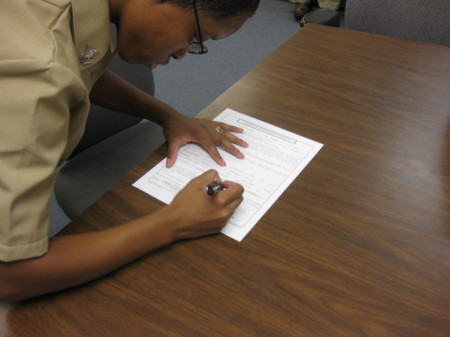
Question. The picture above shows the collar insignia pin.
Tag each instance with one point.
(88, 55)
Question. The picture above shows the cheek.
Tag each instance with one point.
(134, 45)
(140, 46)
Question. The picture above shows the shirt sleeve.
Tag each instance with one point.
(36, 100)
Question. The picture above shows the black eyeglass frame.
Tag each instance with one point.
(197, 47)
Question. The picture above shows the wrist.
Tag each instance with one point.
(155, 110)
(171, 221)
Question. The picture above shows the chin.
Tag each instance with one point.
(127, 57)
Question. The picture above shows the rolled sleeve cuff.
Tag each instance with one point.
(23, 251)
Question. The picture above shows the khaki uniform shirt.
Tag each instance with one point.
(51, 54)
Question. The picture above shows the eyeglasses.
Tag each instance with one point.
(197, 47)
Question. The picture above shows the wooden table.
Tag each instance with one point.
(358, 245)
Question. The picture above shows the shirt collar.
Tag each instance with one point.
(91, 29)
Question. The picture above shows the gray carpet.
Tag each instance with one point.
(189, 85)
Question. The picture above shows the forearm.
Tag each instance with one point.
(76, 259)
(113, 92)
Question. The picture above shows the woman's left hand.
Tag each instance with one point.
(182, 129)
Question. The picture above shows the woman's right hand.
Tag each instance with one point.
(194, 213)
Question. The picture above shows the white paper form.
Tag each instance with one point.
(273, 159)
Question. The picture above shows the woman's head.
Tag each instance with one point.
(152, 32)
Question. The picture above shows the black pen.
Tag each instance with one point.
(212, 188)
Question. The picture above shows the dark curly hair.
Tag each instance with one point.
(220, 9)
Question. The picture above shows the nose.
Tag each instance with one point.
(180, 53)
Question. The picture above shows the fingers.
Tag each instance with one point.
(209, 134)
(233, 187)
(211, 148)
(228, 146)
(236, 140)
(197, 213)
(231, 138)
(228, 127)
(234, 192)
(172, 153)
(224, 139)
(208, 177)
(214, 153)
(231, 195)
(231, 190)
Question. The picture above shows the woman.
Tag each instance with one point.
(51, 69)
